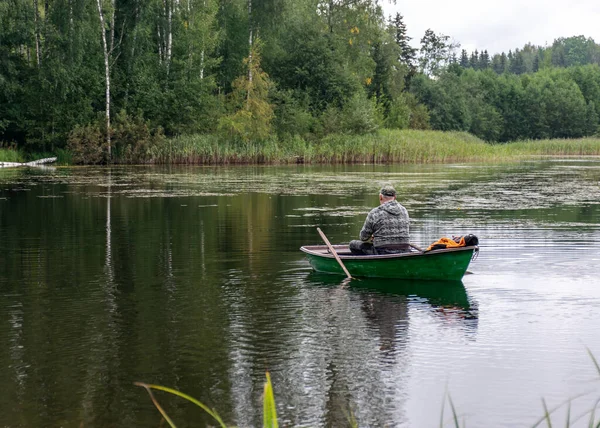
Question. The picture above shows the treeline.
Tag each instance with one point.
(564, 52)
(117, 78)
(552, 103)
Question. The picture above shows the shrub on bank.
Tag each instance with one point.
(86, 145)
(132, 141)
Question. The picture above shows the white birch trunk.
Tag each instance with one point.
(202, 64)
(250, 54)
(112, 27)
(71, 15)
(160, 45)
(202, 53)
(170, 31)
(250, 40)
(107, 76)
(71, 28)
(36, 20)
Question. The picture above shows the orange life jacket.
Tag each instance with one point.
(446, 243)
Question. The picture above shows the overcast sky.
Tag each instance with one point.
(499, 25)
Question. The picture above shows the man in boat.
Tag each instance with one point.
(386, 228)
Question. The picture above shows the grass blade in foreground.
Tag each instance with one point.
(182, 395)
(547, 414)
(160, 409)
(593, 359)
(269, 410)
(454, 415)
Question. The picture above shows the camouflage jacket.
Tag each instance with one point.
(388, 224)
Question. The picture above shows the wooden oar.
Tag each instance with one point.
(335, 254)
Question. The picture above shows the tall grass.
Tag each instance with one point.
(11, 155)
(269, 409)
(386, 146)
(270, 412)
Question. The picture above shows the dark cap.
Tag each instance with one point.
(388, 190)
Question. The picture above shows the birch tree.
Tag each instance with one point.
(107, 26)
(164, 32)
(36, 19)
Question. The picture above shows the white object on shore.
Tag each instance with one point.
(32, 163)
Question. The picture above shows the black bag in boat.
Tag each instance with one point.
(471, 240)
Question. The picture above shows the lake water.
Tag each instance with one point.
(192, 278)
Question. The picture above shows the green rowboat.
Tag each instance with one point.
(447, 265)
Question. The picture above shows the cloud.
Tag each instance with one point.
(500, 26)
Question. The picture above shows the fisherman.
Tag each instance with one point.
(386, 228)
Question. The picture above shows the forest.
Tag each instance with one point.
(115, 80)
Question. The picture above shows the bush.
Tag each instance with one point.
(133, 139)
(399, 114)
(291, 117)
(87, 145)
(361, 115)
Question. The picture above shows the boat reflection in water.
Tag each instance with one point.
(369, 362)
(447, 300)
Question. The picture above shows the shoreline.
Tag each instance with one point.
(383, 147)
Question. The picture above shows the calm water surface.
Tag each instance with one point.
(191, 277)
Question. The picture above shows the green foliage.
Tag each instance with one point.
(436, 51)
(86, 145)
(335, 67)
(547, 104)
(446, 101)
(252, 112)
(408, 54)
(133, 140)
(419, 117)
(361, 115)
(292, 116)
(314, 66)
(399, 114)
(11, 154)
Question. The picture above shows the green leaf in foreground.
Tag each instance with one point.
(184, 396)
(454, 415)
(593, 359)
(269, 410)
(547, 414)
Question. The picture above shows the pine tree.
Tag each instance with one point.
(252, 113)
(464, 59)
(517, 65)
(484, 60)
(407, 53)
(536, 64)
(503, 62)
(474, 60)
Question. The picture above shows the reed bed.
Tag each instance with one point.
(386, 146)
(11, 155)
(556, 147)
